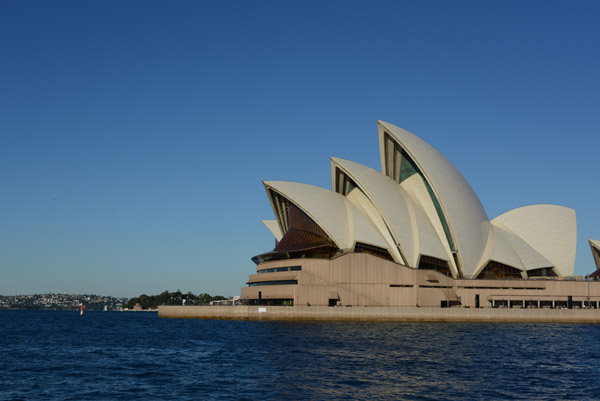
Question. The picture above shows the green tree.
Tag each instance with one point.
(171, 298)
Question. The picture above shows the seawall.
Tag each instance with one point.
(400, 314)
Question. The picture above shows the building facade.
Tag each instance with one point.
(414, 234)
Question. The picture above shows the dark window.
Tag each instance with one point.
(344, 184)
(542, 272)
(280, 282)
(431, 263)
(372, 250)
(280, 269)
(303, 233)
(281, 205)
(303, 239)
(270, 302)
(497, 270)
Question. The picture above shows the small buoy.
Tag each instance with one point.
(81, 308)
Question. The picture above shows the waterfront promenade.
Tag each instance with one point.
(407, 314)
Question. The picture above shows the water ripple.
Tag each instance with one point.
(132, 356)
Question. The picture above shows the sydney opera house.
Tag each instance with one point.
(595, 247)
(414, 234)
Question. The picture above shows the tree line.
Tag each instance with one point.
(171, 298)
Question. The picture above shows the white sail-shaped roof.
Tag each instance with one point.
(467, 220)
(341, 220)
(503, 252)
(274, 228)
(364, 230)
(550, 230)
(530, 258)
(389, 199)
(429, 230)
(595, 246)
(420, 205)
(367, 208)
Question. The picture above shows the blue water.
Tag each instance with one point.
(54, 355)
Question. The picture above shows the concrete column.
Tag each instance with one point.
(553, 304)
(523, 304)
(509, 304)
(539, 305)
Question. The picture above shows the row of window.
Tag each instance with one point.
(469, 288)
(270, 302)
(503, 288)
(280, 282)
(418, 286)
(281, 269)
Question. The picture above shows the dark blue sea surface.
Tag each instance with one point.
(58, 355)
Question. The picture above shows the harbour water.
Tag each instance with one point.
(58, 355)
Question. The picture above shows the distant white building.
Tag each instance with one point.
(227, 302)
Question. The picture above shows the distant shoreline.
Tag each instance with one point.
(62, 309)
(77, 310)
(52, 301)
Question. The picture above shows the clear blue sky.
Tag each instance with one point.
(134, 135)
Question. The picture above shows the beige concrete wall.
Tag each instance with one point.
(299, 313)
(362, 279)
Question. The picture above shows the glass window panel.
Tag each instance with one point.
(389, 156)
(280, 282)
